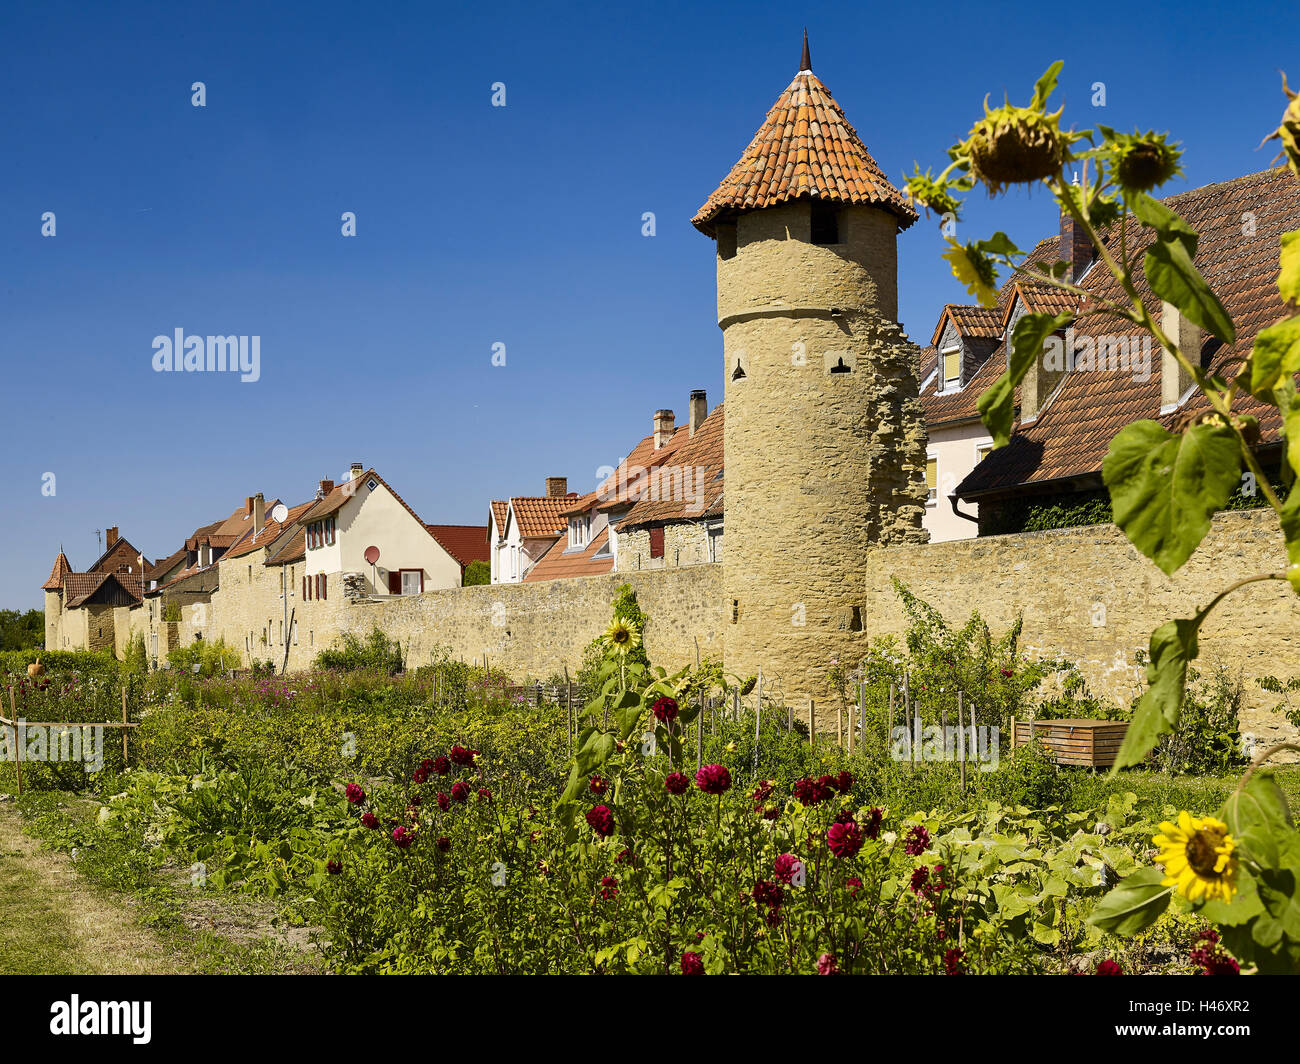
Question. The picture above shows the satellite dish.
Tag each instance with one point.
(371, 555)
(279, 512)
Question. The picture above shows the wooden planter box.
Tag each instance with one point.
(1092, 743)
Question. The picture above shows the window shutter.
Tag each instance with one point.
(394, 583)
(421, 581)
(324, 586)
(657, 542)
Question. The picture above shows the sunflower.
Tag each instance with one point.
(975, 270)
(1197, 857)
(621, 636)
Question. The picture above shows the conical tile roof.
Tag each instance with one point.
(61, 569)
(806, 147)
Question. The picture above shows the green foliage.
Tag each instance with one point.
(1207, 737)
(376, 651)
(477, 572)
(137, 657)
(22, 631)
(210, 657)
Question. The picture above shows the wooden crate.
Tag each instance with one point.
(1093, 743)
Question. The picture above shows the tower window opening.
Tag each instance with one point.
(825, 224)
(726, 241)
(840, 367)
(738, 374)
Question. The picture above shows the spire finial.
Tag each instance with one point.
(805, 63)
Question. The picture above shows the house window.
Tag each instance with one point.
(982, 452)
(932, 479)
(657, 542)
(329, 532)
(412, 581)
(825, 224)
(580, 531)
(951, 368)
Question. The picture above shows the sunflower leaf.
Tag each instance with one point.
(997, 404)
(1135, 903)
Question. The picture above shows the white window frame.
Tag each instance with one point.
(932, 499)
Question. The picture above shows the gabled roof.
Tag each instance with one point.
(465, 543)
(697, 468)
(628, 482)
(61, 569)
(561, 562)
(271, 531)
(500, 510)
(80, 587)
(804, 148)
(1071, 435)
(541, 516)
(163, 566)
(970, 320)
(120, 545)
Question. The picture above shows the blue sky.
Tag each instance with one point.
(476, 224)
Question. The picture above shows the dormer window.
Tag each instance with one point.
(951, 368)
(579, 531)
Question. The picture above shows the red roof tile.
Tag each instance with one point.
(465, 543)
(805, 148)
(692, 481)
(61, 569)
(541, 516)
(561, 562)
(1073, 431)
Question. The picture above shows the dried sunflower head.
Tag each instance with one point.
(1140, 162)
(1289, 131)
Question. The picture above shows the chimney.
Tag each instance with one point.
(259, 514)
(357, 470)
(1075, 247)
(326, 486)
(1174, 379)
(248, 505)
(699, 409)
(663, 426)
(557, 487)
(110, 537)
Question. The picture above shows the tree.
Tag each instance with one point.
(477, 573)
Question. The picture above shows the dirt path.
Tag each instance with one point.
(53, 923)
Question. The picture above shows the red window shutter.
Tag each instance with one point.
(394, 583)
(304, 589)
(657, 542)
(421, 579)
(324, 586)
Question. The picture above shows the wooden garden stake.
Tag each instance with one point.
(758, 717)
(699, 723)
(961, 739)
(889, 737)
(839, 724)
(568, 706)
(812, 723)
(18, 746)
(124, 728)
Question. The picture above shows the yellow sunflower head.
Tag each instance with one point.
(975, 271)
(1197, 854)
(621, 636)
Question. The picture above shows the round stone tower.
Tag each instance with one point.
(824, 438)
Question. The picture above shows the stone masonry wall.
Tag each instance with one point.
(533, 630)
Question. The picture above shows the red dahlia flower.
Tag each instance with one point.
(598, 785)
(677, 783)
(461, 756)
(460, 791)
(443, 844)
(441, 765)
(844, 838)
(333, 867)
(665, 710)
(601, 821)
(713, 779)
(826, 965)
(1108, 967)
(608, 888)
(787, 866)
(355, 794)
(403, 837)
(369, 820)
(484, 795)
(444, 803)
(692, 964)
(918, 841)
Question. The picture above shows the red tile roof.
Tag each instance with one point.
(970, 320)
(61, 569)
(271, 531)
(465, 543)
(692, 481)
(500, 508)
(1073, 431)
(805, 148)
(560, 562)
(631, 479)
(541, 516)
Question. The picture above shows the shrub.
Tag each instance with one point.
(477, 572)
(376, 651)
